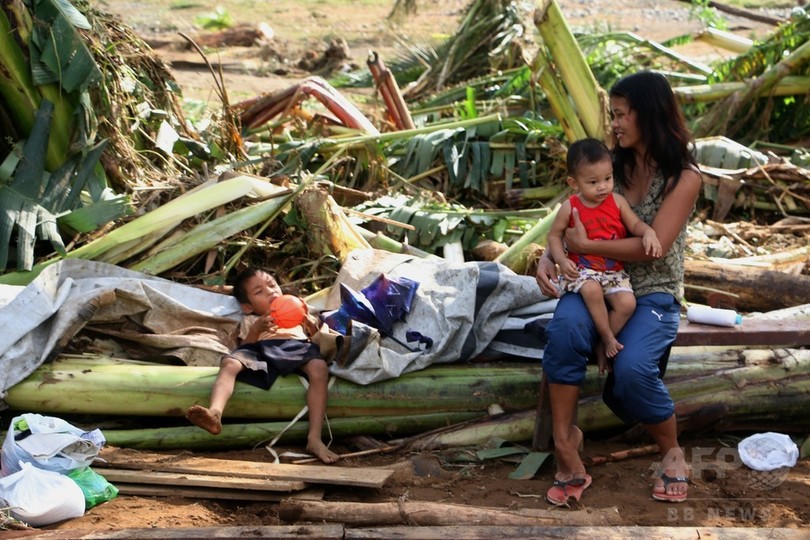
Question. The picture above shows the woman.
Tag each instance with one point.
(657, 174)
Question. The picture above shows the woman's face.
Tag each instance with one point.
(625, 127)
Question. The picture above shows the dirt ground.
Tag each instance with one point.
(302, 31)
(715, 500)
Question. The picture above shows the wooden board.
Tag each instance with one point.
(314, 474)
(766, 332)
(573, 533)
(276, 532)
(468, 532)
(193, 492)
(199, 480)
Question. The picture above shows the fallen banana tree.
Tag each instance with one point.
(441, 406)
(258, 433)
(125, 388)
(765, 390)
(255, 113)
(158, 230)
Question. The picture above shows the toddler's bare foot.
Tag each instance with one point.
(322, 452)
(207, 419)
(612, 348)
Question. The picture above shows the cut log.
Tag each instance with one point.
(433, 514)
(749, 289)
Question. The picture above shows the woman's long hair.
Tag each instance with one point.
(661, 124)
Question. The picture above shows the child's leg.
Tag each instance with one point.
(591, 292)
(318, 374)
(210, 419)
(622, 305)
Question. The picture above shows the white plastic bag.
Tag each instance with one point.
(39, 497)
(768, 451)
(52, 444)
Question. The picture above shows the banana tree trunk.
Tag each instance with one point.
(143, 389)
(589, 99)
(764, 390)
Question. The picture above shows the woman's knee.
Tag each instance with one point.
(632, 375)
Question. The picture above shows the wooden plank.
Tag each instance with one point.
(314, 474)
(277, 532)
(200, 480)
(461, 532)
(193, 492)
(472, 532)
(766, 332)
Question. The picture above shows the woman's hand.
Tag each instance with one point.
(576, 238)
(547, 277)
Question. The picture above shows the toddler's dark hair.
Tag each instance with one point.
(239, 292)
(586, 151)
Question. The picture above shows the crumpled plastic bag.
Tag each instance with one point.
(48, 443)
(768, 451)
(95, 487)
(40, 497)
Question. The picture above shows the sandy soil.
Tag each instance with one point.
(625, 485)
(725, 499)
(303, 29)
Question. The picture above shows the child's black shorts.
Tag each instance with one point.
(266, 360)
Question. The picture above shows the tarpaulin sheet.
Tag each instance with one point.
(462, 307)
(465, 309)
(148, 312)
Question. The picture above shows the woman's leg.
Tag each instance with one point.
(210, 419)
(571, 334)
(567, 436)
(317, 373)
(639, 394)
(672, 485)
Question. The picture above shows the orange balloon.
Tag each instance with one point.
(288, 310)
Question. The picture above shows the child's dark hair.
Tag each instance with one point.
(239, 291)
(585, 152)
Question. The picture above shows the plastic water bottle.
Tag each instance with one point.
(715, 316)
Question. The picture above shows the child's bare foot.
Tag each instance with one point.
(207, 419)
(322, 452)
(612, 347)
